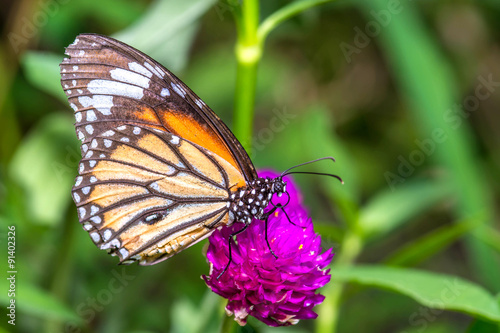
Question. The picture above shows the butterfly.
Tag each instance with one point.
(160, 171)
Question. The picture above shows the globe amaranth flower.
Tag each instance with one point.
(281, 291)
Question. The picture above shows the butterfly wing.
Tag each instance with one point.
(109, 83)
(158, 165)
(144, 194)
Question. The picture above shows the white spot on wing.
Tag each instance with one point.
(89, 129)
(91, 115)
(108, 87)
(82, 212)
(152, 69)
(139, 69)
(102, 103)
(200, 103)
(73, 106)
(160, 71)
(95, 237)
(115, 243)
(86, 190)
(178, 89)
(124, 75)
(123, 253)
(136, 130)
(78, 180)
(122, 128)
(92, 163)
(107, 234)
(93, 210)
(96, 219)
(174, 140)
(108, 133)
(165, 92)
(93, 179)
(78, 117)
(107, 143)
(76, 197)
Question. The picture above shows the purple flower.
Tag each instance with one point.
(279, 292)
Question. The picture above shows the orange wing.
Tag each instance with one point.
(109, 83)
(145, 195)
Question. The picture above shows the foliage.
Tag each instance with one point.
(401, 93)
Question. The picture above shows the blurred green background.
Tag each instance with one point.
(404, 94)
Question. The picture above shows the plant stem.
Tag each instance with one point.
(285, 13)
(248, 54)
(227, 325)
(249, 49)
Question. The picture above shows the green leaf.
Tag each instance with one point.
(184, 312)
(35, 301)
(429, 327)
(45, 165)
(165, 32)
(420, 249)
(430, 289)
(480, 326)
(490, 236)
(426, 80)
(42, 71)
(389, 209)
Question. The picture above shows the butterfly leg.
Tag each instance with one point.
(229, 247)
(267, 239)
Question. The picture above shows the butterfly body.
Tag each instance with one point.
(159, 170)
(249, 202)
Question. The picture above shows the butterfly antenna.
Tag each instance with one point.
(284, 173)
(288, 172)
(317, 173)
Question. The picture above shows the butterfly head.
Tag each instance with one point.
(278, 186)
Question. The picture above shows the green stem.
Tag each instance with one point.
(246, 81)
(227, 325)
(284, 14)
(249, 49)
(250, 21)
(248, 54)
